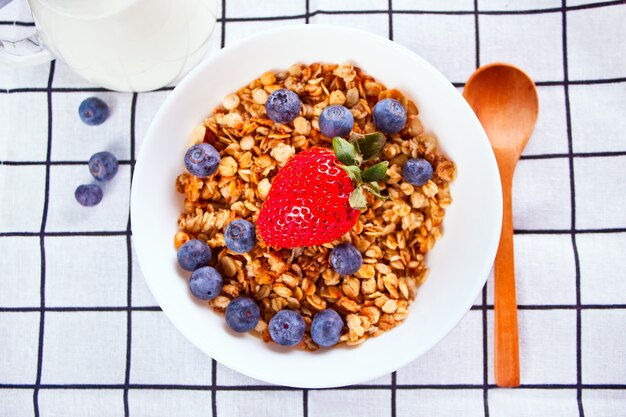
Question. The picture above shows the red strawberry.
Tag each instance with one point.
(308, 203)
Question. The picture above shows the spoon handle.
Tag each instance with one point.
(506, 353)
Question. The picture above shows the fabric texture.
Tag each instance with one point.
(81, 335)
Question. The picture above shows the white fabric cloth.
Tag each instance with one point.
(104, 348)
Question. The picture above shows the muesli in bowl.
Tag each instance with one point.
(311, 199)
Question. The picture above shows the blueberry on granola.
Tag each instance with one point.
(194, 254)
(88, 195)
(287, 328)
(103, 166)
(205, 283)
(389, 116)
(282, 106)
(240, 236)
(346, 259)
(336, 121)
(93, 111)
(242, 314)
(202, 160)
(326, 328)
(417, 171)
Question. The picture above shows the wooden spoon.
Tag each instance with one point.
(505, 100)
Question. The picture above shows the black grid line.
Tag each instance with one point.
(214, 388)
(74, 309)
(223, 32)
(129, 259)
(568, 119)
(394, 386)
(390, 20)
(305, 402)
(307, 12)
(218, 388)
(574, 155)
(305, 392)
(104, 233)
(78, 309)
(558, 307)
(71, 90)
(550, 83)
(476, 34)
(16, 23)
(224, 19)
(485, 336)
(42, 243)
(485, 342)
(567, 232)
(128, 324)
(213, 361)
(394, 373)
(63, 234)
(54, 163)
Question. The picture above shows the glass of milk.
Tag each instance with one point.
(124, 45)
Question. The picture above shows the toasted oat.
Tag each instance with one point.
(231, 101)
(228, 167)
(281, 153)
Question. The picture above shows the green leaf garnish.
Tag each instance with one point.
(345, 151)
(371, 145)
(351, 154)
(372, 187)
(375, 172)
(357, 199)
(353, 172)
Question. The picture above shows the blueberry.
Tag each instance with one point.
(389, 116)
(93, 111)
(326, 328)
(345, 259)
(336, 121)
(103, 166)
(240, 236)
(242, 314)
(417, 171)
(193, 255)
(88, 195)
(202, 160)
(205, 283)
(287, 328)
(282, 106)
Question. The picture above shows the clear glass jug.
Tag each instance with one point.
(124, 45)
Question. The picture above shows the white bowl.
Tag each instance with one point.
(459, 264)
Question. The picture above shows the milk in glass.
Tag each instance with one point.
(126, 45)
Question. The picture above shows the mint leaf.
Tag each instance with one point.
(376, 172)
(371, 145)
(353, 172)
(357, 199)
(345, 151)
(373, 188)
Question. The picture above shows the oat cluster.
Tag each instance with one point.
(393, 235)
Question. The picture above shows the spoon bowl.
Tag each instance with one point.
(505, 100)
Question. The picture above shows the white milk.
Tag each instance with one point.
(126, 45)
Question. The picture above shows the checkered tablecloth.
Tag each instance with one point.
(81, 335)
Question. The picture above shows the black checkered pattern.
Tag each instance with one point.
(80, 334)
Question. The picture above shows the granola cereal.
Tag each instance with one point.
(393, 235)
